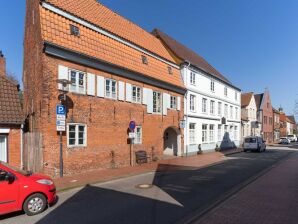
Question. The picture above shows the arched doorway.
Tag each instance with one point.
(172, 141)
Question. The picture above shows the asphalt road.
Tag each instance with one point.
(177, 195)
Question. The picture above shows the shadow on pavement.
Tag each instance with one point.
(175, 194)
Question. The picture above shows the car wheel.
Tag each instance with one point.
(35, 204)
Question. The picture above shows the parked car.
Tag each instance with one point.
(254, 144)
(292, 138)
(23, 190)
(284, 141)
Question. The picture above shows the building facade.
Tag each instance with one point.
(115, 72)
(250, 125)
(265, 115)
(211, 105)
(276, 125)
(11, 119)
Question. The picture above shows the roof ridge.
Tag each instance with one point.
(213, 72)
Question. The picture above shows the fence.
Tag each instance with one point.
(32, 154)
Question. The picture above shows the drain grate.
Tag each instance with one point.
(144, 186)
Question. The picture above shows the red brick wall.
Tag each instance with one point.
(2, 65)
(107, 122)
(267, 127)
(14, 147)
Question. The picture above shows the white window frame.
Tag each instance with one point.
(211, 133)
(157, 104)
(212, 107)
(219, 133)
(204, 105)
(226, 110)
(111, 94)
(138, 97)
(76, 87)
(173, 102)
(236, 95)
(231, 112)
(77, 135)
(226, 91)
(192, 133)
(235, 133)
(219, 108)
(204, 133)
(192, 78)
(138, 135)
(212, 86)
(236, 113)
(192, 102)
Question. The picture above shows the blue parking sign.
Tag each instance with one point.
(60, 109)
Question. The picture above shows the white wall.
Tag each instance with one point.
(201, 90)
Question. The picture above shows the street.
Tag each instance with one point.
(177, 195)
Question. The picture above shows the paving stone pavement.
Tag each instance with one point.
(271, 199)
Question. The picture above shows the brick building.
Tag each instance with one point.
(11, 119)
(118, 72)
(265, 115)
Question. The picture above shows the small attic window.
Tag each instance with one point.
(170, 70)
(144, 60)
(74, 30)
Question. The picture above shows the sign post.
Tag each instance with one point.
(131, 126)
(60, 126)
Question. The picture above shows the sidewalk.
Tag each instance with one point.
(272, 198)
(97, 176)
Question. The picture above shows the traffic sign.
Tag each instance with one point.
(132, 125)
(131, 135)
(60, 127)
(60, 123)
(60, 109)
(61, 117)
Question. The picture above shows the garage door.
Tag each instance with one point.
(3, 148)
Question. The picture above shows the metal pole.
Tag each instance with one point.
(131, 151)
(61, 156)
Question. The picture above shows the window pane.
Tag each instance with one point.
(72, 141)
(72, 134)
(81, 128)
(81, 141)
(72, 128)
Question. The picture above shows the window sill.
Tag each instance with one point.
(76, 146)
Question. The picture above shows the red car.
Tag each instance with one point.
(23, 190)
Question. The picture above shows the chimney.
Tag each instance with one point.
(2, 64)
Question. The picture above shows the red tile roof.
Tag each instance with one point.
(10, 105)
(186, 54)
(99, 15)
(245, 99)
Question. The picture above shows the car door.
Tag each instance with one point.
(9, 193)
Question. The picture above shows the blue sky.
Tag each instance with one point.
(253, 43)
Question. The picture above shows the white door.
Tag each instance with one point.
(3, 148)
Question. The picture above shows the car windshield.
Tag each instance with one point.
(22, 172)
(290, 136)
(250, 140)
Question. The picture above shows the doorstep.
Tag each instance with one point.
(173, 164)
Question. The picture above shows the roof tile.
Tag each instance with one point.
(10, 106)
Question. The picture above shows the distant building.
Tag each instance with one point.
(276, 125)
(250, 125)
(11, 119)
(291, 125)
(265, 115)
(212, 103)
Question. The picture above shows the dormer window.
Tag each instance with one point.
(144, 60)
(170, 70)
(74, 30)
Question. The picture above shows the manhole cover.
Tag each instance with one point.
(144, 186)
